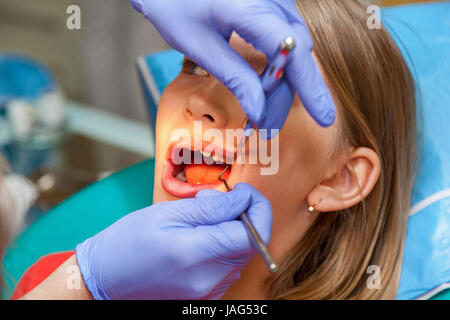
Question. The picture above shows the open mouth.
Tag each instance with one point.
(189, 168)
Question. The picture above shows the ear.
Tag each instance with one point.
(349, 183)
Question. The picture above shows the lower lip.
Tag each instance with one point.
(179, 188)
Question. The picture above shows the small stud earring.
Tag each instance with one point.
(312, 208)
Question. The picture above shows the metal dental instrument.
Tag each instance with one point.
(253, 233)
(275, 70)
(271, 75)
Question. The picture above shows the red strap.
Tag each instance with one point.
(39, 271)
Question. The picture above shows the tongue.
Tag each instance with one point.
(204, 174)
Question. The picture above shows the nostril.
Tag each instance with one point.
(202, 112)
(209, 117)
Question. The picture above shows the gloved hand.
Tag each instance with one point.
(186, 249)
(201, 29)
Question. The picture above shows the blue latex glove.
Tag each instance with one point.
(186, 249)
(201, 29)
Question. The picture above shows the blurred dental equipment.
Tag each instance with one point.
(17, 195)
(31, 103)
(39, 123)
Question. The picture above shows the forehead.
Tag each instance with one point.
(254, 57)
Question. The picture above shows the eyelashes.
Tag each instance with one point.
(191, 68)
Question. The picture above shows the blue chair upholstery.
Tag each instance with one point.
(422, 32)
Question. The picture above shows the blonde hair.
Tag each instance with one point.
(377, 105)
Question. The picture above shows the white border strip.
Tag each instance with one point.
(428, 201)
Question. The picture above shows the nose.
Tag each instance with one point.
(204, 104)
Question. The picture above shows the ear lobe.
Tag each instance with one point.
(352, 182)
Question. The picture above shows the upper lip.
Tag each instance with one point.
(207, 148)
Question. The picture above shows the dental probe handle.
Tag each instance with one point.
(275, 70)
(259, 243)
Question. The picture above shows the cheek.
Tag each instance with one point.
(303, 146)
(307, 142)
(285, 188)
(171, 100)
(170, 111)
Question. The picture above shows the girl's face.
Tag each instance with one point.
(303, 147)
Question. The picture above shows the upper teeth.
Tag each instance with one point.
(207, 153)
(218, 158)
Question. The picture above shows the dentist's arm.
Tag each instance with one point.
(186, 249)
(65, 283)
(200, 29)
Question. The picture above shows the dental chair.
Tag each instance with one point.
(423, 33)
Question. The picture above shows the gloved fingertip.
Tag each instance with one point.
(278, 106)
(137, 5)
(241, 194)
(242, 186)
(248, 130)
(258, 120)
(272, 133)
(254, 105)
(322, 110)
(208, 193)
(313, 91)
(214, 206)
(328, 115)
